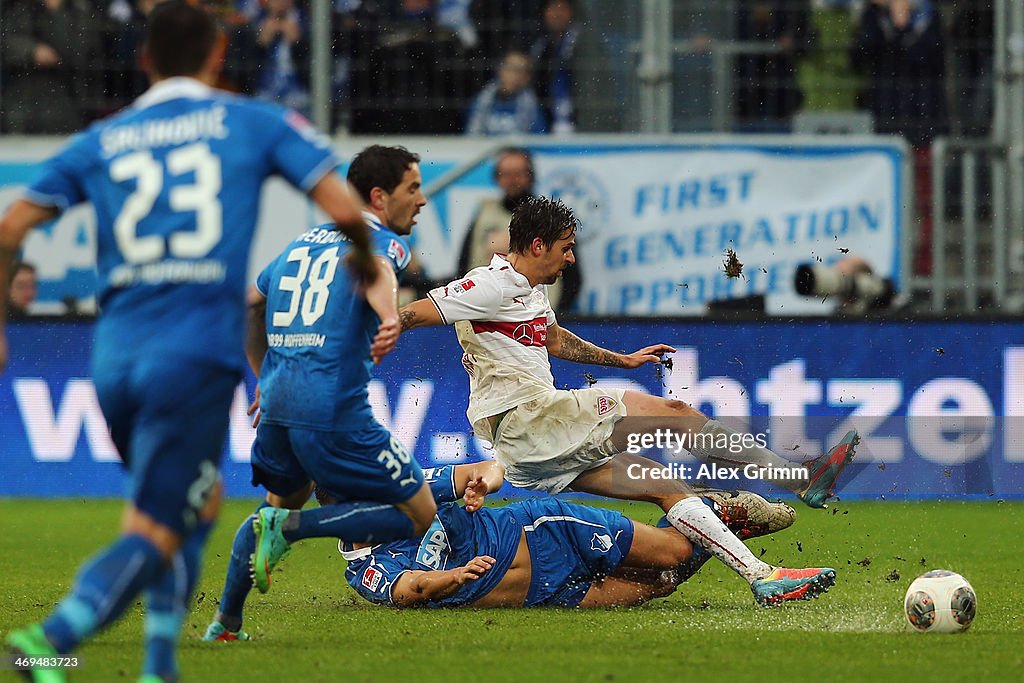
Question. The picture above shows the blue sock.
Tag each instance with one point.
(103, 589)
(352, 522)
(167, 603)
(238, 583)
(698, 558)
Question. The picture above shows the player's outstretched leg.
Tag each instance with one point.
(823, 471)
(688, 513)
(696, 520)
(783, 585)
(277, 529)
(747, 514)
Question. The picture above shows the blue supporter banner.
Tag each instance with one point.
(940, 404)
(656, 218)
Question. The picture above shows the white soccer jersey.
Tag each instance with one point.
(502, 324)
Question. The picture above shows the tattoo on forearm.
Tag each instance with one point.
(577, 350)
(407, 318)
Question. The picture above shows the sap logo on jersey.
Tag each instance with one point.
(371, 578)
(433, 551)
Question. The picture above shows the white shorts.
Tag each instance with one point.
(547, 442)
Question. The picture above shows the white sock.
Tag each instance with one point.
(695, 520)
(762, 457)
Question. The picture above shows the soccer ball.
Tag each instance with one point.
(940, 601)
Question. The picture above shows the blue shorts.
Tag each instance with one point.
(168, 419)
(571, 546)
(366, 464)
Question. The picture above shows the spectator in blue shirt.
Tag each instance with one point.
(554, 54)
(508, 104)
(281, 35)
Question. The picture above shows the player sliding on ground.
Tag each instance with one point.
(552, 440)
(540, 552)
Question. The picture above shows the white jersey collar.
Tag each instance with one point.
(173, 89)
(372, 219)
(499, 261)
(352, 555)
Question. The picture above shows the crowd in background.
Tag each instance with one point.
(521, 66)
(918, 68)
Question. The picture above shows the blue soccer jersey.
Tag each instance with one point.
(319, 330)
(388, 244)
(570, 545)
(455, 538)
(175, 180)
(385, 242)
(372, 572)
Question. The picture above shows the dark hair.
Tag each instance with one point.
(380, 166)
(548, 219)
(20, 266)
(518, 151)
(179, 38)
(570, 3)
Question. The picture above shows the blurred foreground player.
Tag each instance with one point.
(311, 337)
(175, 181)
(552, 440)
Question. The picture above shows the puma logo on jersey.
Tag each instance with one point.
(468, 362)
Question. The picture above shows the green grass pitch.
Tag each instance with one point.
(312, 627)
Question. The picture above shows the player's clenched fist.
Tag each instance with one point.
(476, 493)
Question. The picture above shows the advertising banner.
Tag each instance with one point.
(939, 406)
(657, 218)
